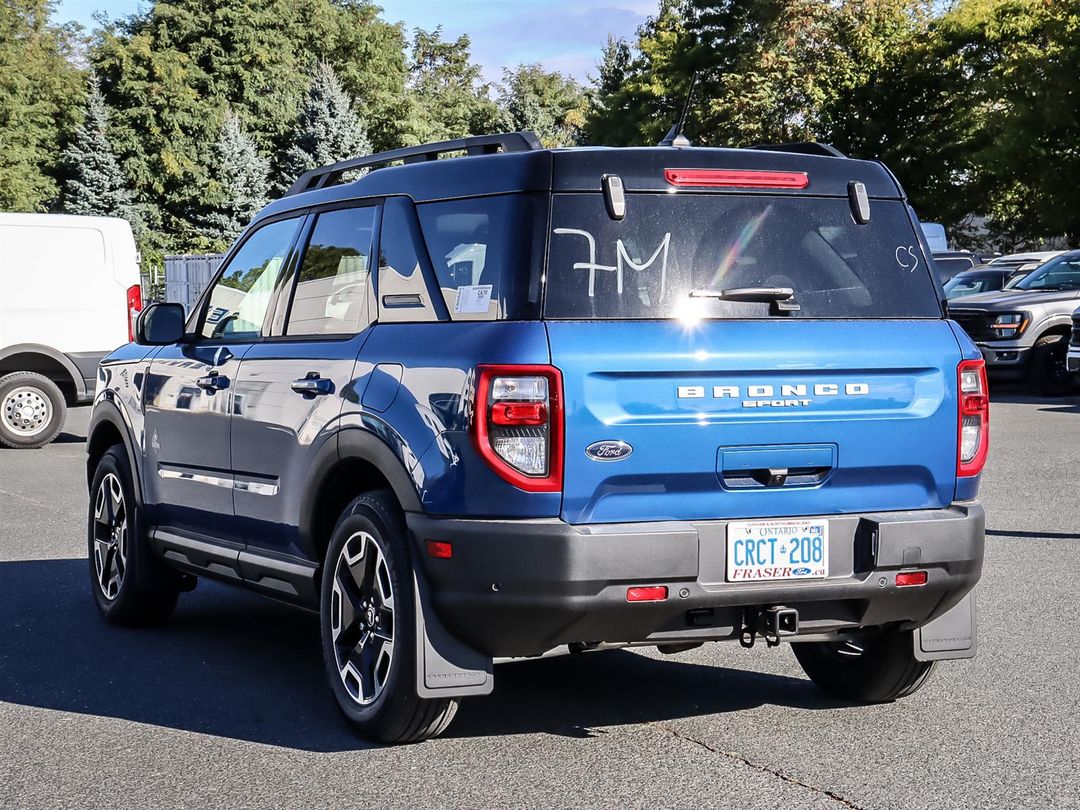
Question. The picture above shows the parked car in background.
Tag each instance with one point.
(982, 279)
(1072, 362)
(951, 262)
(69, 294)
(1023, 331)
(1029, 260)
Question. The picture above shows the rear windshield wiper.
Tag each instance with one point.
(781, 298)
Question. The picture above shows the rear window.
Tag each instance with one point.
(973, 284)
(647, 264)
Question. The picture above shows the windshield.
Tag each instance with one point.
(667, 246)
(973, 283)
(1062, 273)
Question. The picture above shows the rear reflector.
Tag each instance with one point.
(440, 549)
(652, 593)
(731, 178)
(905, 578)
(518, 413)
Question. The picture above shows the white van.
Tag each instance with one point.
(69, 294)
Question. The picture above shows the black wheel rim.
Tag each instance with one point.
(362, 618)
(110, 536)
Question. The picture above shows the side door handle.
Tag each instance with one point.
(213, 382)
(313, 385)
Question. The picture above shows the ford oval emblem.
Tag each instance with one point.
(611, 450)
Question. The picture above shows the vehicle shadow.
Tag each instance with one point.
(234, 665)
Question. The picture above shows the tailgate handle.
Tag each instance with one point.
(773, 467)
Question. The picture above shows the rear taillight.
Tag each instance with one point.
(973, 441)
(518, 424)
(134, 307)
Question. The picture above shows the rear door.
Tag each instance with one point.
(745, 408)
(290, 387)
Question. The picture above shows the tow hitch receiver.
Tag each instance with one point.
(772, 623)
(779, 621)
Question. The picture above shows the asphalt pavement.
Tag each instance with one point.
(225, 705)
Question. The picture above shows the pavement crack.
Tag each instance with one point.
(757, 766)
(50, 507)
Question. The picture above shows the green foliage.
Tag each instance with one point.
(549, 104)
(239, 185)
(975, 104)
(41, 92)
(95, 185)
(327, 130)
(447, 95)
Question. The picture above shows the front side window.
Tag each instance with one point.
(333, 283)
(242, 293)
(671, 245)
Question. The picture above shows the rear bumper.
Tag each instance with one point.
(521, 587)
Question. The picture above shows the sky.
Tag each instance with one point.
(563, 35)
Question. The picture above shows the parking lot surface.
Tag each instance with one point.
(226, 705)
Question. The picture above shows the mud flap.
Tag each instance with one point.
(950, 635)
(444, 666)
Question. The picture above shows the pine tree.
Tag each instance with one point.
(240, 182)
(95, 184)
(327, 130)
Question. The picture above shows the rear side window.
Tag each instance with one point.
(669, 245)
(487, 253)
(333, 284)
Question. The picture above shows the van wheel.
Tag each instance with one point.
(32, 410)
(130, 585)
(367, 617)
(1049, 374)
(877, 668)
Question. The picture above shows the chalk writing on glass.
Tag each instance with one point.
(622, 260)
(907, 258)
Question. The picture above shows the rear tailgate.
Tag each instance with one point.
(756, 418)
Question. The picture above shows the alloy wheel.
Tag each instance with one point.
(26, 411)
(110, 536)
(362, 618)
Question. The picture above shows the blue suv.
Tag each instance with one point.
(481, 400)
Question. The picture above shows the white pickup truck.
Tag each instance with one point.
(69, 292)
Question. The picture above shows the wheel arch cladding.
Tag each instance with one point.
(362, 463)
(48, 363)
(107, 429)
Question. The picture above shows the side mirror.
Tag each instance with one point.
(160, 325)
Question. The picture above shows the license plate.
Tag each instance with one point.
(762, 550)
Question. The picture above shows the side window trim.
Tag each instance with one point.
(281, 317)
(419, 244)
(197, 318)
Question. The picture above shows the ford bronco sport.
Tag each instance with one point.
(519, 400)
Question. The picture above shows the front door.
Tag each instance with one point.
(191, 396)
(290, 388)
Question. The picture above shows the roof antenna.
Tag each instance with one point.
(675, 137)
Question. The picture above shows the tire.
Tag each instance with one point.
(1048, 371)
(368, 627)
(129, 584)
(877, 669)
(32, 410)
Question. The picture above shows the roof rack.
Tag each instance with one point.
(802, 148)
(480, 145)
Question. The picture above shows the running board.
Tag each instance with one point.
(444, 666)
